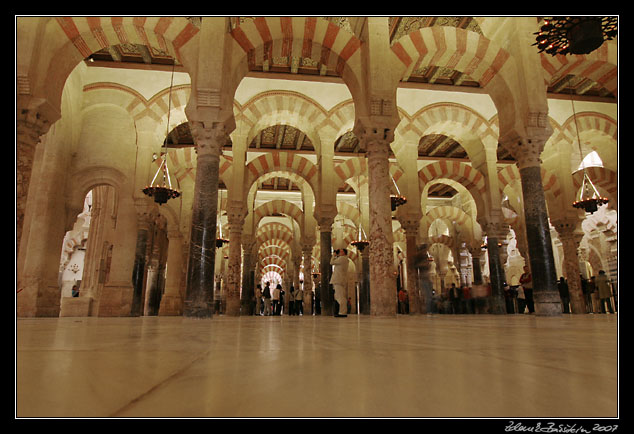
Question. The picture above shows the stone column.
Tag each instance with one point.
(476, 255)
(496, 268)
(325, 247)
(235, 217)
(540, 252)
(570, 238)
(139, 270)
(307, 251)
(30, 126)
(413, 289)
(200, 270)
(172, 302)
(364, 287)
(248, 276)
(157, 265)
(423, 268)
(382, 278)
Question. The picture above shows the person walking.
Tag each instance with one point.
(605, 291)
(291, 300)
(526, 280)
(587, 295)
(339, 279)
(275, 298)
(564, 294)
(267, 299)
(299, 299)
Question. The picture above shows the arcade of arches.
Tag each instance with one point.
(286, 137)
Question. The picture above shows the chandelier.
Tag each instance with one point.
(574, 35)
(362, 240)
(220, 241)
(589, 198)
(397, 199)
(163, 192)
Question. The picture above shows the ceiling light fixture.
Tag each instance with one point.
(575, 35)
(163, 193)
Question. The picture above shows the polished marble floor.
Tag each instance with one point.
(426, 366)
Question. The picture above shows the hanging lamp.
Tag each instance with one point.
(163, 193)
(220, 241)
(362, 240)
(397, 199)
(589, 198)
(575, 35)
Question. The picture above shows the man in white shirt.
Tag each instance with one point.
(339, 279)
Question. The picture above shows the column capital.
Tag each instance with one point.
(527, 147)
(209, 140)
(568, 230)
(410, 223)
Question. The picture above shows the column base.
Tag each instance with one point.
(547, 303)
(115, 300)
(171, 305)
(76, 306)
(37, 298)
(197, 311)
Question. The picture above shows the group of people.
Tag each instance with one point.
(460, 300)
(598, 294)
(269, 303)
(600, 286)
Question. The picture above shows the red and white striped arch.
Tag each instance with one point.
(457, 171)
(511, 173)
(600, 66)
(91, 34)
(309, 37)
(461, 123)
(352, 167)
(451, 47)
(279, 206)
(281, 107)
(281, 161)
(273, 250)
(274, 231)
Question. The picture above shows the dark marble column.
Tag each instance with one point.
(540, 251)
(157, 261)
(325, 247)
(138, 272)
(364, 287)
(413, 290)
(496, 272)
(477, 268)
(202, 248)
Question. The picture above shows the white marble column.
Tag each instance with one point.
(570, 237)
(235, 217)
(382, 278)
